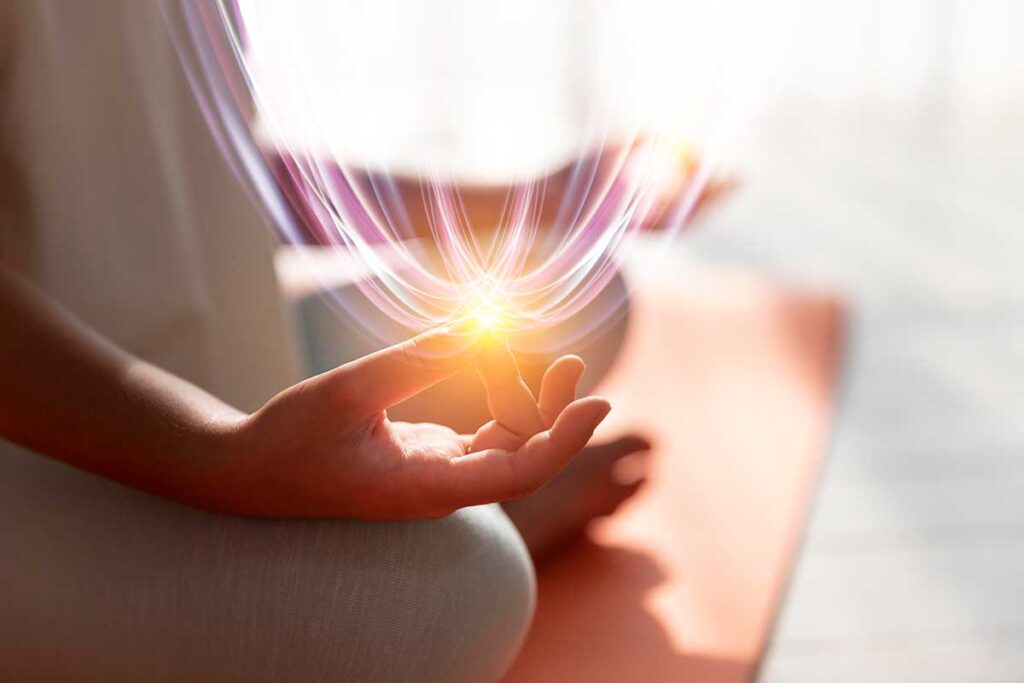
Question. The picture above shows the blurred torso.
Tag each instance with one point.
(125, 211)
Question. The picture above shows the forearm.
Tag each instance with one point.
(69, 393)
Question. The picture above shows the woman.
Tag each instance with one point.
(144, 341)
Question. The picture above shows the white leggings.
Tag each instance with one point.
(102, 583)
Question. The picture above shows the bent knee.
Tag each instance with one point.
(481, 582)
(440, 600)
(185, 595)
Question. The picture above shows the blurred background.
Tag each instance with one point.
(887, 167)
(880, 146)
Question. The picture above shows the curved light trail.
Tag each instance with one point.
(518, 275)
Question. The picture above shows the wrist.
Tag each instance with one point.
(209, 473)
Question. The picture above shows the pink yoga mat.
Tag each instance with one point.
(734, 379)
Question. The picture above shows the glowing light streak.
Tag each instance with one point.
(524, 276)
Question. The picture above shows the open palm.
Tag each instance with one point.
(325, 447)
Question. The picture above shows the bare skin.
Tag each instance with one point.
(69, 393)
(323, 447)
(593, 485)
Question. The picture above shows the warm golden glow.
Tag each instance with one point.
(487, 316)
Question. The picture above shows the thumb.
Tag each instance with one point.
(389, 376)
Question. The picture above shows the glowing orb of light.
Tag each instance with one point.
(487, 316)
(547, 257)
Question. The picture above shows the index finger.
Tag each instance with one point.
(389, 376)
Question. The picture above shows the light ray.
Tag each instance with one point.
(524, 275)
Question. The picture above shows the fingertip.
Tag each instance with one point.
(566, 371)
(601, 406)
(575, 362)
(578, 421)
(578, 369)
(595, 408)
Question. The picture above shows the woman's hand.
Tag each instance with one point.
(325, 447)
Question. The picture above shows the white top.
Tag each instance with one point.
(124, 209)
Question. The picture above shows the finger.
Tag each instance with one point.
(574, 427)
(495, 435)
(509, 399)
(558, 387)
(382, 379)
(495, 475)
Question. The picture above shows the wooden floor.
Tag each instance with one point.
(913, 565)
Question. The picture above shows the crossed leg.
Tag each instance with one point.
(100, 582)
